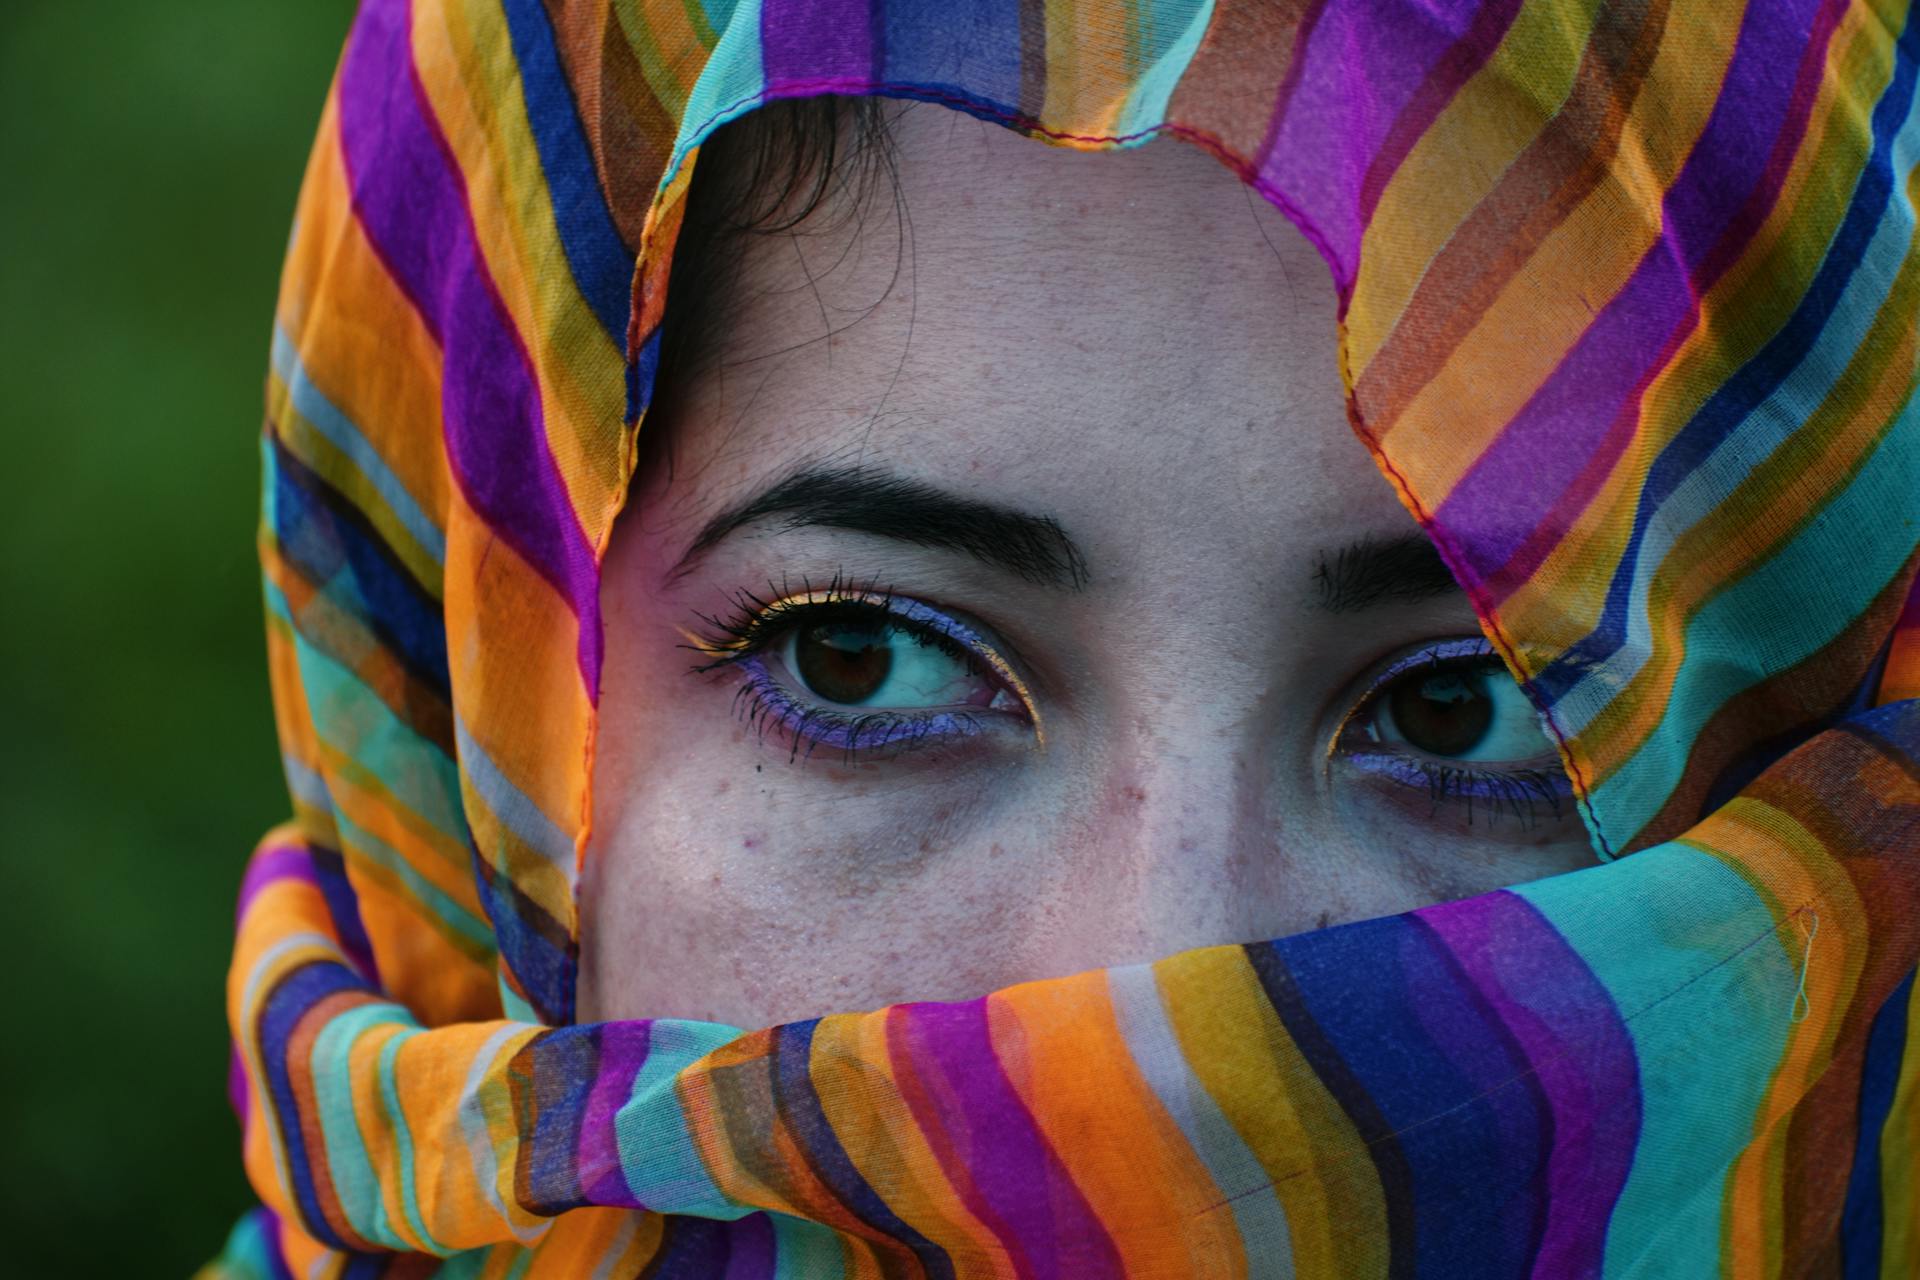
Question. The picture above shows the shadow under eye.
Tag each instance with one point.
(860, 671)
(1445, 726)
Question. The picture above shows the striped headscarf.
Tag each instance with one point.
(1628, 318)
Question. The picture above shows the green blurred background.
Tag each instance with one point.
(149, 159)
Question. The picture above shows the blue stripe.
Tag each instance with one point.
(602, 266)
(321, 532)
(801, 1112)
(552, 1078)
(325, 417)
(1863, 1221)
(536, 947)
(1732, 404)
(1434, 1083)
(292, 996)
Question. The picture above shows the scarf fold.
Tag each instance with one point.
(1628, 318)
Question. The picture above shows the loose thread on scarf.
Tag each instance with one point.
(1801, 1005)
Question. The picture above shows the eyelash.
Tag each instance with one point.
(1517, 793)
(742, 637)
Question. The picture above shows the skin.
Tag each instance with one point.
(1130, 345)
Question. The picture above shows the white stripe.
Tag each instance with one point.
(479, 1138)
(1242, 1179)
(512, 805)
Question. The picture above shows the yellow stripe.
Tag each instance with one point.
(361, 341)
(1821, 924)
(1550, 301)
(1141, 1178)
(580, 372)
(1456, 163)
(1562, 600)
(1335, 1206)
(1766, 512)
(852, 1071)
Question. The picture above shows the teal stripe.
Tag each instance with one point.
(719, 13)
(1171, 31)
(403, 1142)
(464, 1266)
(1695, 962)
(347, 1160)
(729, 85)
(320, 673)
(248, 1252)
(326, 418)
(378, 852)
(1829, 551)
(356, 723)
(657, 1152)
(804, 1250)
(1714, 482)
(513, 1006)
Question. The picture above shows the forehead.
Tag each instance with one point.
(1043, 325)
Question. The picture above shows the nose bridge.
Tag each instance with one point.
(1178, 840)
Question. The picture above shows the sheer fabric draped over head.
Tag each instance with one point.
(1628, 320)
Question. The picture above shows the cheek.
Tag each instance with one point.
(733, 886)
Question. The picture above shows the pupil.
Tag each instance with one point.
(842, 663)
(1446, 714)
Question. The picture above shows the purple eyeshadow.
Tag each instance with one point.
(1499, 788)
(850, 730)
(1442, 779)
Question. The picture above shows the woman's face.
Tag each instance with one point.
(1018, 601)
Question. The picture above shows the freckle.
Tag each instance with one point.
(714, 879)
(996, 851)
(1137, 795)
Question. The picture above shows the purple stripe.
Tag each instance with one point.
(1461, 62)
(987, 1141)
(802, 41)
(750, 1248)
(623, 1049)
(276, 1258)
(411, 199)
(282, 862)
(1581, 1055)
(1362, 65)
(1583, 416)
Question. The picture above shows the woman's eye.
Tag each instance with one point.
(857, 671)
(869, 664)
(1446, 723)
(1467, 711)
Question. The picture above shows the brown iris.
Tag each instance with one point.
(1443, 713)
(843, 662)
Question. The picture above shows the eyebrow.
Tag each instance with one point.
(1032, 547)
(1374, 571)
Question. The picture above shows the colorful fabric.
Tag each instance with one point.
(1628, 297)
